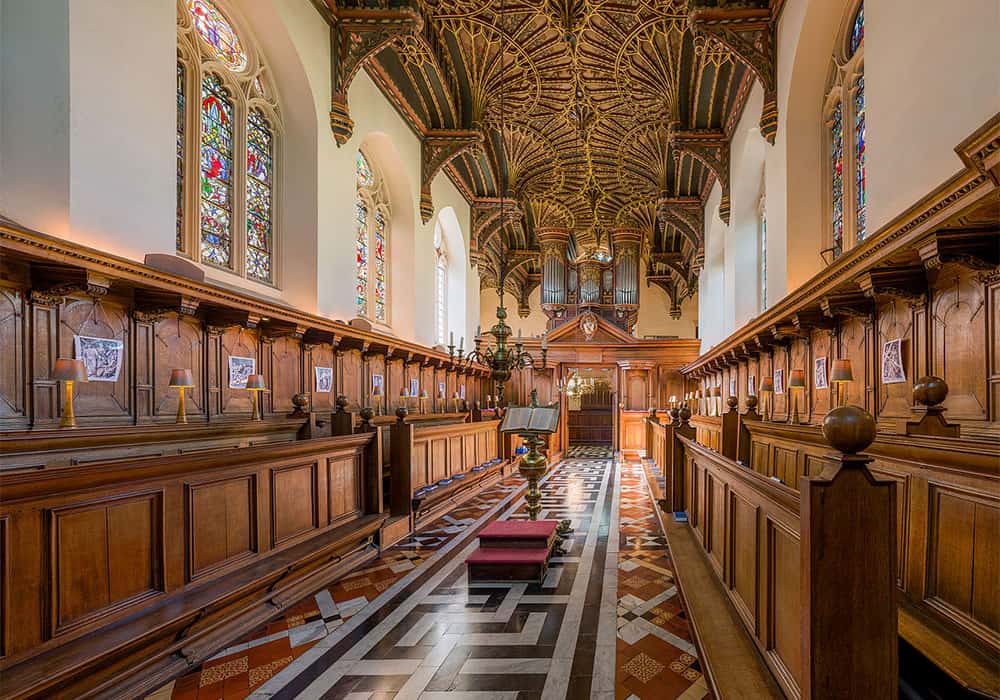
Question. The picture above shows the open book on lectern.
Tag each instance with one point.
(529, 419)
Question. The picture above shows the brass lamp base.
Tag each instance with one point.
(532, 466)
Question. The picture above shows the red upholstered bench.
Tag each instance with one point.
(489, 564)
(519, 534)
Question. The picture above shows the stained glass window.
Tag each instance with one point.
(860, 186)
(361, 286)
(216, 31)
(181, 147)
(216, 172)
(372, 241)
(857, 30)
(837, 175)
(260, 172)
(379, 259)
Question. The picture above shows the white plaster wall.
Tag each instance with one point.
(654, 313)
(87, 137)
(932, 76)
(34, 114)
(122, 125)
(711, 282)
(534, 325)
(742, 255)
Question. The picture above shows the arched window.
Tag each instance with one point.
(372, 222)
(844, 112)
(440, 285)
(226, 206)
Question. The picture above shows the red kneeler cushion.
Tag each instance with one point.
(508, 556)
(519, 529)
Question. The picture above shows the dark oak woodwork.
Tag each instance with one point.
(119, 574)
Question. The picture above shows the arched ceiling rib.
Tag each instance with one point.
(577, 102)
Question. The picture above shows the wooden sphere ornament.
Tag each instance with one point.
(930, 391)
(849, 429)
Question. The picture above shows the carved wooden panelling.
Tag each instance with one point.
(439, 460)
(964, 530)
(352, 378)
(895, 321)
(46, 394)
(637, 391)
(285, 359)
(11, 359)
(715, 521)
(760, 457)
(993, 351)
(222, 523)
(902, 512)
(854, 346)
(4, 586)
(178, 343)
(105, 556)
(959, 322)
(785, 466)
(100, 319)
(321, 356)
(743, 548)
(396, 381)
(784, 636)
(468, 453)
(344, 481)
(421, 468)
(294, 502)
(238, 342)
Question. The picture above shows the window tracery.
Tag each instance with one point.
(844, 112)
(228, 134)
(372, 243)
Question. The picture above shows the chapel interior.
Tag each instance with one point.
(499, 349)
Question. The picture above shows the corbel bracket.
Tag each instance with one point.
(711, 148)
(358, 31)
(745, 32)
(437, 149)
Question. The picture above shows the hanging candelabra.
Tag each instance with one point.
(498, 355)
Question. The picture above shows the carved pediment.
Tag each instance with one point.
(588, 327)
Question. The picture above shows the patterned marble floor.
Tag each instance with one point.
(606, 622)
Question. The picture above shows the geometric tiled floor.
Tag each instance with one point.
(656, 655)
(607, 622)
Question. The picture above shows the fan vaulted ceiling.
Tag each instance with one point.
(576, 111)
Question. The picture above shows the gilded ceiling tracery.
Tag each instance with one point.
(588, 114)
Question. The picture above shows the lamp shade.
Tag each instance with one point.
(842, 371)
(766, 384)
(716, 390)
(255, 382)
(67, 370)
(402, 393)
(181, 378)
(797, 379)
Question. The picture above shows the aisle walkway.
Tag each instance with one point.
(411, 626)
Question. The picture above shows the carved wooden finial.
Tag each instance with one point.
(849, 429)
(928, 395)
(401, 413)
(342, 403)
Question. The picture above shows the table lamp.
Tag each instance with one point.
(454, 397)
(403, 396)
(767, 392)
(424, 396)
(182, 380)
(796, 382)
(69, 371)
(841, 374)
(255, 385)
